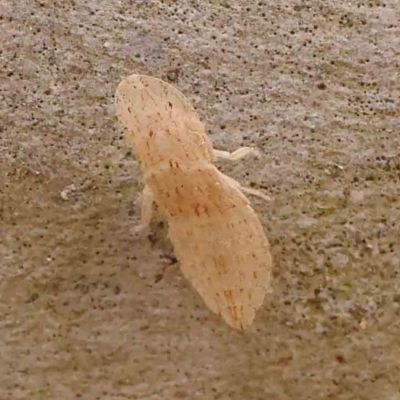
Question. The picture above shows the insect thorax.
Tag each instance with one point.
(192, 189)
(155, 147)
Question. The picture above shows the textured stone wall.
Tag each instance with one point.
(87, 310)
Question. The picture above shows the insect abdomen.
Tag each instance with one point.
(227, 259)
(217, 237)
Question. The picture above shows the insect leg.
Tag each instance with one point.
(146, 201)
(247, 190)
(255, 192)
(237, 154)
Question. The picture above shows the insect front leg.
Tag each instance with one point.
(146, 202)
(237, 154)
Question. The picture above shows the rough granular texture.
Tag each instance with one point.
(89, 311)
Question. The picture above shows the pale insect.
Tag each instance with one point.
(217, 237)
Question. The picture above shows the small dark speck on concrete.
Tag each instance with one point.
(340, 359)
(33, 298)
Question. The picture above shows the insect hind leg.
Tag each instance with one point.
(237, 155)
(146, 202)
(253, 192)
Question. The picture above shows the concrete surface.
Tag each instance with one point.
(85, 311)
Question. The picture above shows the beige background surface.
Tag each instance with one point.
(84, 309)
